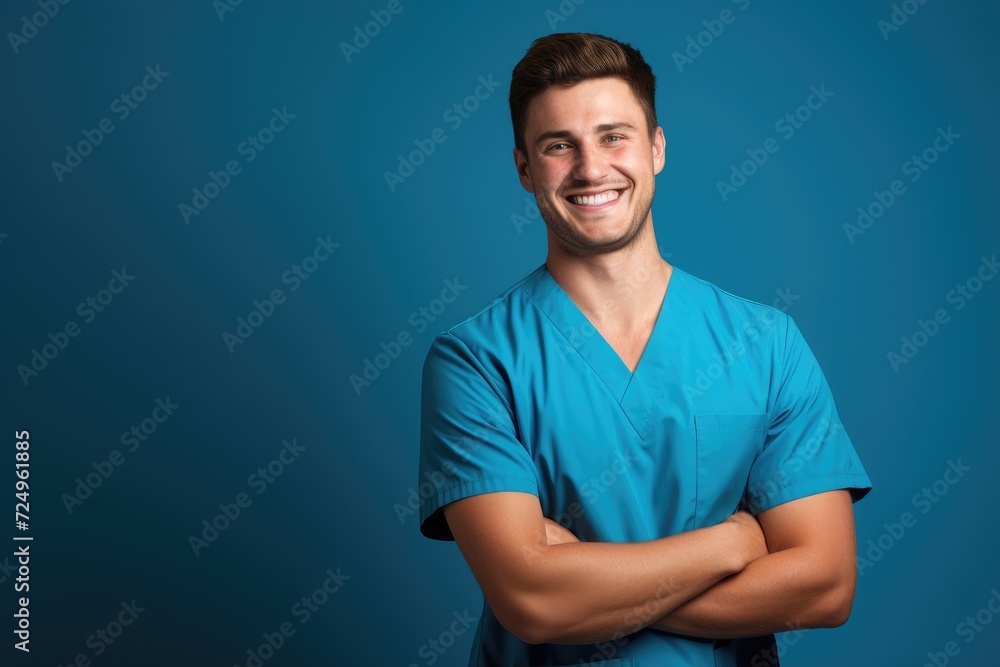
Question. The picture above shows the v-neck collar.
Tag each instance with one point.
(636, 392)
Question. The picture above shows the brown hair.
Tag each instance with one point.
(568, 59)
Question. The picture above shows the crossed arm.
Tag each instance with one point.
(793, 566)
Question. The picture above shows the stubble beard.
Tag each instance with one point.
(578, 244)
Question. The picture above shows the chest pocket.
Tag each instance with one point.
(727, 446)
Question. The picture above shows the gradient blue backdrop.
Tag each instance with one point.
(459, 216)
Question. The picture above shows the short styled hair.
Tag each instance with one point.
(568, 59)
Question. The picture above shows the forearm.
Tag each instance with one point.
(778, 592)
(588, 592)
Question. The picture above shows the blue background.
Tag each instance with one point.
(453, 218)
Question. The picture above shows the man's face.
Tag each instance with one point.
(590, 163)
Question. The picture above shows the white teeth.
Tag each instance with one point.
(595, 200)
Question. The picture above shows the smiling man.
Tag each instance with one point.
(607, 509)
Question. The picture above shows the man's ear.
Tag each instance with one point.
(523, 171)
(659, 150)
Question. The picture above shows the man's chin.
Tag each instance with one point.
(605, 238)
(589, 245)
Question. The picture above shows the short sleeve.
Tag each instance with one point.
(806, 450)
(468, 443)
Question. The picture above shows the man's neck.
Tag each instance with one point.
(619, 291)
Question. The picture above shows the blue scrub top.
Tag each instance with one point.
(727, 407)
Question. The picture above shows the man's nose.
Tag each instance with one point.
(591, 164)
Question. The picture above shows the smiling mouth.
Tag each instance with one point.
(598, 199)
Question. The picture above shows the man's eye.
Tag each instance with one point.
(558, 147)
(614, 138)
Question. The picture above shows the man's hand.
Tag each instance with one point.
(584, 592)
(807, 581)
(555, 533)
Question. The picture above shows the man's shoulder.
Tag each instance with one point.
(499, 317)
(715, 303)
(724, 297)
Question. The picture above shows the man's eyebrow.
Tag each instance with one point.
(555, 134)
(566, 134)
(611, 127)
